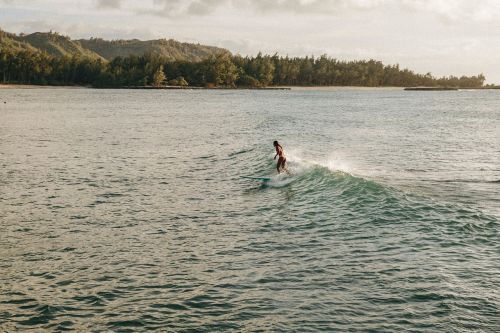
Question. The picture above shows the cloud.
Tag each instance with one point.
(205, 7)
(314, 6)
(456, 10)
(452, 10)
(114, 4)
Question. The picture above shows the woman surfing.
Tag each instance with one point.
(281, 165)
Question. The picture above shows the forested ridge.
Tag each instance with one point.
(67, 62)
(58, 45)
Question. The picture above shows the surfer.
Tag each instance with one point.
(280, 166)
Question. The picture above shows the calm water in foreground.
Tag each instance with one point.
(126, 211)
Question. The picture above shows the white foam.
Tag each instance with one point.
(299, 164)
(281, 180)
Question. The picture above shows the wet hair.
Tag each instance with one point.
(275, 143)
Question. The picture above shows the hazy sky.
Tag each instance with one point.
(439, 36)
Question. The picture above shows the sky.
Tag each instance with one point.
(444, 37)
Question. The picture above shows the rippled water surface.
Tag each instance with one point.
(126, 211)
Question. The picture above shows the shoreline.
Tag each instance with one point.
(304, 88)
(35, 86)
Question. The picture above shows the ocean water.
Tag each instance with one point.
(126, 211)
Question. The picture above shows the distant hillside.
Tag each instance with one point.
(11, 42)
(48, 42)
(156, 63)
(170, 49)
(57, 45)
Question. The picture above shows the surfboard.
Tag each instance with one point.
(262, 179)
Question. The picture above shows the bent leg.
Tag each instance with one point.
(283, 165)
(279, 165)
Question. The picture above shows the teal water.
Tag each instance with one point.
(126, 211)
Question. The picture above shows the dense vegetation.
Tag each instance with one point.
(21, 62)
(169, 49)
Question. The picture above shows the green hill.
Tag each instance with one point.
(48, 42)
(58, 45)
(170, 49)
(11, 42)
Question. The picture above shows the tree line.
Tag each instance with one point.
(223, 70)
